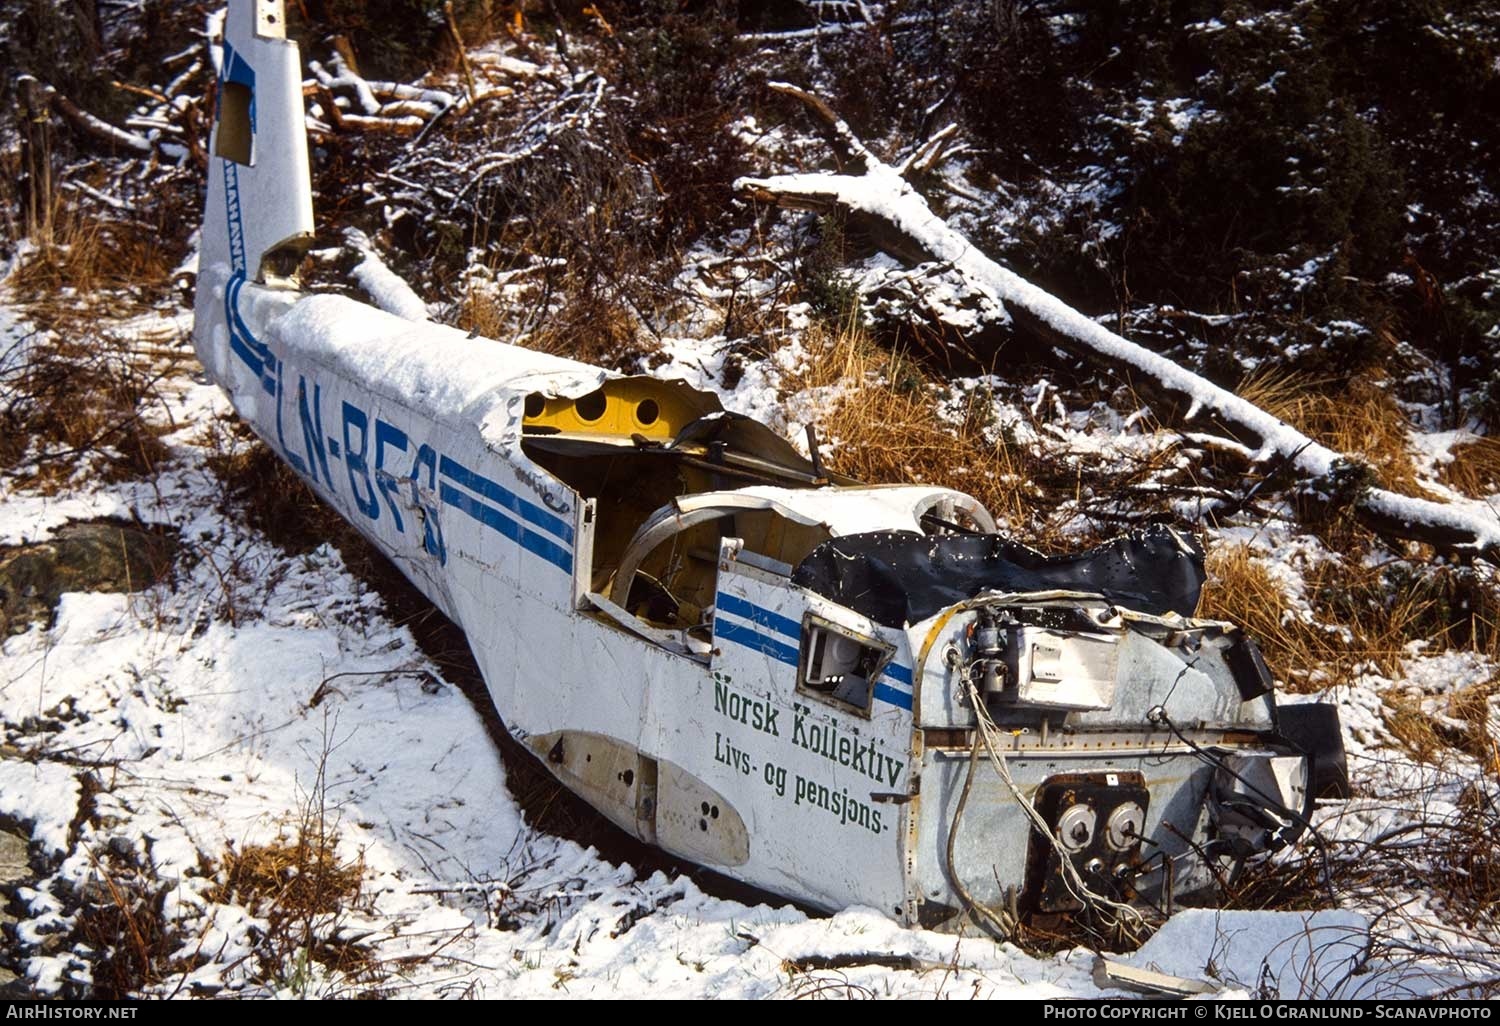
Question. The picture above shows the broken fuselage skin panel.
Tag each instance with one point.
(672, 608)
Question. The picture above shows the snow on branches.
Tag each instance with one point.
(911, 231)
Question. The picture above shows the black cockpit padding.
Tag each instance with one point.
(901, 577)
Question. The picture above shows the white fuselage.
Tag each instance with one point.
(412, 433)
(757, 726)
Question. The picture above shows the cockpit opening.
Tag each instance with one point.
(635, 446)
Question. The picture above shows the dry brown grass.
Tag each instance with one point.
(1358, 418)
(482, 312)
(590, 327)
(1464, 725)
(296, 876)
(884, 428)
(1240, 590)
(1474, 469)
(88, 266)
(1361, 616)
(302, 888)
(78, 398)
(73, 392)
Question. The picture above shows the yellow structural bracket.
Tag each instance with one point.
(621, 408)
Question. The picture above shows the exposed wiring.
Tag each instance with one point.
(1002, 922)
(1118, 915)
(1112, 913)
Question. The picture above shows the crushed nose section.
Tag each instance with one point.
(1088, 760)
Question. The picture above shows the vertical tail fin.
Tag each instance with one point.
(258, 219)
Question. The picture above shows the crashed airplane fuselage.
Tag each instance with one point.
(842, 694)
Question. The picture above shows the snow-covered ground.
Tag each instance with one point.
(150, 735)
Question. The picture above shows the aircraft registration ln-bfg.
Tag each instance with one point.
(844, 694)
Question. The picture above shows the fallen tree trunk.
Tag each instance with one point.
(881, 195)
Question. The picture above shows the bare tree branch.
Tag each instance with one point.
(913, 232)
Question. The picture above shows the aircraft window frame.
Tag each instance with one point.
(814, 625)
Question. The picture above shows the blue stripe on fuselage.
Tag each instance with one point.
(736, 606)
(491, 517)
(756, 641)
(501, 496)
